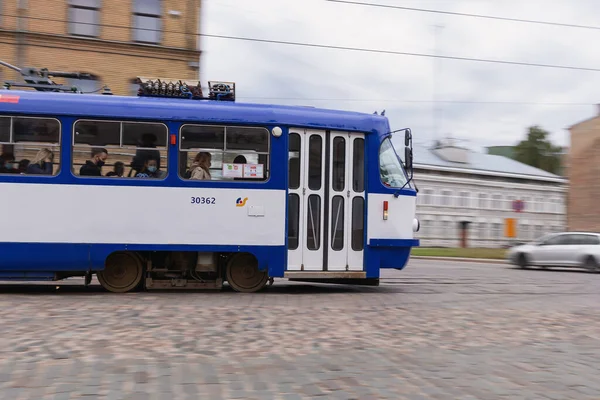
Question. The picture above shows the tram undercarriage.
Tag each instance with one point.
(127, 271)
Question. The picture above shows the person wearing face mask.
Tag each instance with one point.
(146, 151)
(9, 166)
(93, 166)
(42, 164)
(150, 170)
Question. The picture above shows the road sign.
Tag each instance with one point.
(510, 227)
(518, 205)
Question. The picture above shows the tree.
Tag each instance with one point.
(538, 151)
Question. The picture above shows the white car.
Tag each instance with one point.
(568, 249)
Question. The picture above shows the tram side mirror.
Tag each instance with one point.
(408, 158)
(407, 138)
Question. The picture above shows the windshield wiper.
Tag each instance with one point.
(409, 180)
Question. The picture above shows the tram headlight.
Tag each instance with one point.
(277, 131)
(416, 225)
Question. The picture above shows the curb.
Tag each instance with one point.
(462, 259)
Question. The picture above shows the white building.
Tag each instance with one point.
(459, 187)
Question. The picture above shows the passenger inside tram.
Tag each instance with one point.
(144, 153)
(42, 164)
(240, 160)
(118, 170)
(200, 169)
(150, 170)
(22, 166)
(93, 166)
(7, 164)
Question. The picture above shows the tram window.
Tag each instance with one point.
(202, 137)
(224, 153)
(134, 149)
(139, 134)
(97, 133)
(5, 129)
(30, 146)
(358, 166)
(339, 164)
(293, 221)
(337, 223)
(244, 138)
(294, 157)
(358, 230)
(313, 231)
(391, 171)
(39, 130)
(315, 161)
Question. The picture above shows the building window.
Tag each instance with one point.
(464, 200)
(509, 202)
(446, 198)
(447, 231)
(433, 230)
(483, 232)
(523, 231)
(538, 233)
(557, 206)
(425, 228)
(84, 18)
(426, 197)
(526, 204)
(561, 205)
(483, 201)
(496, 201)
(147, 21)
(496, 231)
(539, 204)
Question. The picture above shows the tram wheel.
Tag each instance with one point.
(243, 274)
(123, 272)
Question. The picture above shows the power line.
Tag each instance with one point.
(346, 48)
(528, 21)
(402, 53)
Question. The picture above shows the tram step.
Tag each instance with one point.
(325, 274)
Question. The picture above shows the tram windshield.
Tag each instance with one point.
(390, 168)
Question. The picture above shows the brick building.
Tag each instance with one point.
(115, 40)
(583, 206)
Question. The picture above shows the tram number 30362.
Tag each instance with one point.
(203, 200)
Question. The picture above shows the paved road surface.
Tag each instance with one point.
(433, 331)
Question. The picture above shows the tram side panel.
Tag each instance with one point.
(76, 227)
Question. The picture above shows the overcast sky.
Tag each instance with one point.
(404, 85)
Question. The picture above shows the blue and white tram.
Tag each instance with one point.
(159, 193)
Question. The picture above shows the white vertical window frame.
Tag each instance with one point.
(84, 18)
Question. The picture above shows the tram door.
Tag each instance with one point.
(326, 201)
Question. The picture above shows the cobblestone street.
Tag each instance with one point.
(433, 331)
